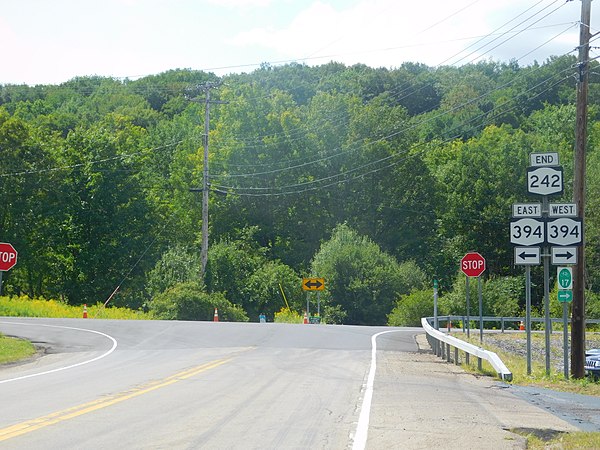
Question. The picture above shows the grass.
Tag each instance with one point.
(562, 441)
(14, 349)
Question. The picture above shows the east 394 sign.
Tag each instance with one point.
(563, 231)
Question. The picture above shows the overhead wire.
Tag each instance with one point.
(237, 190)
(503, 34)
(356, 146)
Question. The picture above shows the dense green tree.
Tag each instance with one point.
(360, 278)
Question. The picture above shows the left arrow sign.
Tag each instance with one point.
(527, 256)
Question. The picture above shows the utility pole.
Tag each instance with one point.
(205, 181)
(579, 173)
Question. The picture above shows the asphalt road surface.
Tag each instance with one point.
(105, 384)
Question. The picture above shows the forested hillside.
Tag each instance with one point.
(376, 179)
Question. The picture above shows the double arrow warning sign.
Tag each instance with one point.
(313, 284)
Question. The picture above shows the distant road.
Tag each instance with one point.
(202, 385)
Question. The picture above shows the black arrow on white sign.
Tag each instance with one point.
(567, 255)
(527, 256)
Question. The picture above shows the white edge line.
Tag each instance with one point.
(362, 429)
(112, 349)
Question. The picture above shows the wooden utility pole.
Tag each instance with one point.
(205, 181)
(579, 173)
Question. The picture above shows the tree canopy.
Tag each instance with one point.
(349, 173)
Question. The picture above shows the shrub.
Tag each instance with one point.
(410, 308)
(189, 301)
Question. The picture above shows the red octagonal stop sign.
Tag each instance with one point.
(472, 264)
(8, 256)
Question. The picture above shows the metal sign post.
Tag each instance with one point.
(547, 322)
(480, 310)
(528, 315)
(436, 324)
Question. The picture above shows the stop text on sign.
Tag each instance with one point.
(8, 256)
(472, 264)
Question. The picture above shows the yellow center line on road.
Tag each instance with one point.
(76, 411)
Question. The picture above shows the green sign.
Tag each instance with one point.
(565, 296)
(565, 277)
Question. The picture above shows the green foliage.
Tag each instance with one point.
(361, 279)
(188, 301)
(23, 306)
(176, 265)
(422, 164)
(504, 296)
(241, 270)
(501, 296)
(410, 308)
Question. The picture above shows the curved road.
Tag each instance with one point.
(187, 384)
(203, 385)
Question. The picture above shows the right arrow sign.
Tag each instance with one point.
(564, 255)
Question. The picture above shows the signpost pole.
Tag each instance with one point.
(468, 308)
(436, 323)
(307, 311)
(0, 282)
(528, 315)
(566, 339)
(480, 309)
(318, 303)
(547, 323)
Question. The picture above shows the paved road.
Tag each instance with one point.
(187, 385)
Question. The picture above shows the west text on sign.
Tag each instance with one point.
(562, 210)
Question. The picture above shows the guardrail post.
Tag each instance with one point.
(448, 353)
(456, 355)
(464, 324)
(479, 364)
(502, 324)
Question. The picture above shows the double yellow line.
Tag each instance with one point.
(76, 411)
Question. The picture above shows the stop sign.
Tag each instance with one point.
(8, 256)
(472, 264)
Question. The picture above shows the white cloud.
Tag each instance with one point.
(389, 32)
(241, 3)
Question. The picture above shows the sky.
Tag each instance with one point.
(53, 41)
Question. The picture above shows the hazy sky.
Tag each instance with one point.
(52, 41)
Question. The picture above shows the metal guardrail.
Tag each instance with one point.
(442, 344)
(503, 321)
